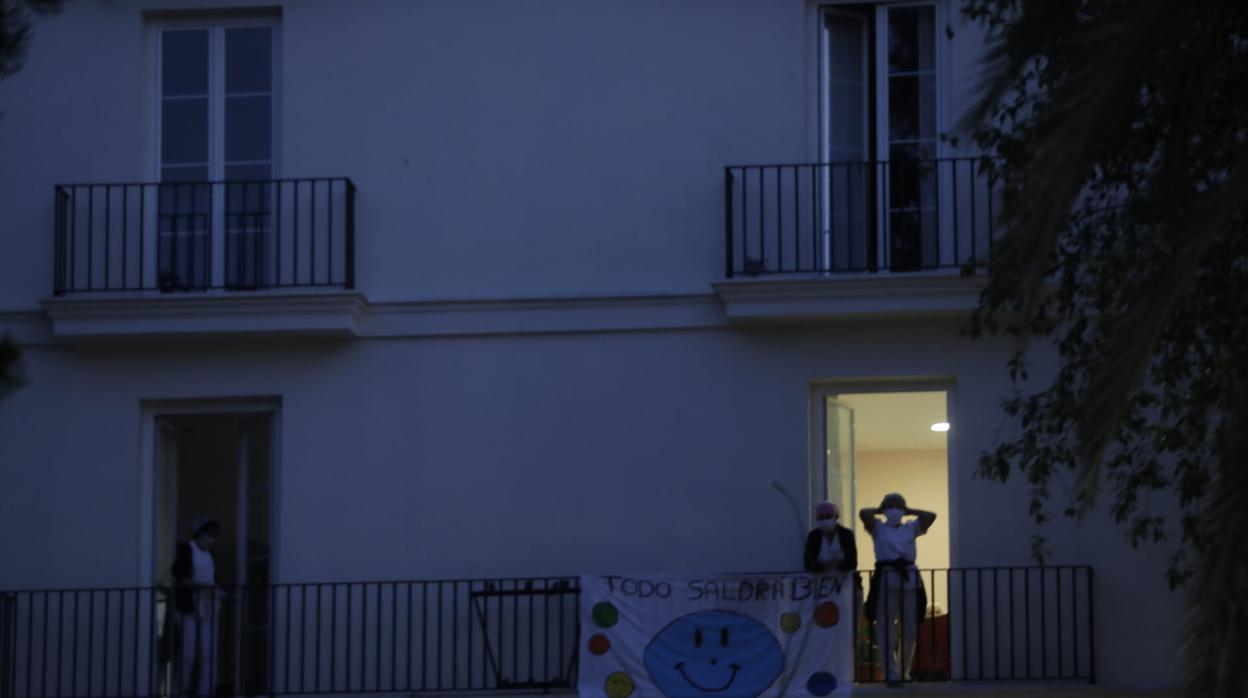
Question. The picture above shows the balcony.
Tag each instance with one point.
(207, 253)
(842, 238)
(991, 624)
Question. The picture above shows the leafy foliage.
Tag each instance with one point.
(10, 378)
(1122, 135)
(15, 30)
(15, 33)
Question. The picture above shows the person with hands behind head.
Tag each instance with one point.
(897, 595)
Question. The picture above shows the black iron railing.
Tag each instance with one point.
(839, 217)
(296, 639)
(403, 637)
(8, 649)
(982, 624)
(199, 236)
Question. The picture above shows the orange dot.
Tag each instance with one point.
(599, 644)
(827, 614)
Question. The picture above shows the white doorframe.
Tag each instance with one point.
(823, 389)
(820, 395)
(149, 464)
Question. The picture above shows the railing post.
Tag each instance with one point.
(855, 582)
(1091, 632)
(58, 240)
(349, 282)
(728, 221)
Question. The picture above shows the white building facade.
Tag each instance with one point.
(474, 290)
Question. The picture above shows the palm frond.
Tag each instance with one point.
(1216, 638)
(1096, 96)
(1127, 358)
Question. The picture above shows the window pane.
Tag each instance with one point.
(248, 60)
(245, 173)
(247, 190)
(903, 108)
(907, 173)
(910, 39)
(911, 108)
(184, 130)
(926, 106)
(184, 173)
(184, 199)
(847, 90)
(184, 62)
(248, 128)
(846, 130)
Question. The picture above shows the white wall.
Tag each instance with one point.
(500, 148)
(522, 455)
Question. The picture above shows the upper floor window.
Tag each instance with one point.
(215, 90)
(879, 104)
(216, 103)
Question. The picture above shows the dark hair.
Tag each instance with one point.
(893, 497)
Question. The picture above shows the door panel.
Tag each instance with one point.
(840, 457)
(847, 129)
(254, 456)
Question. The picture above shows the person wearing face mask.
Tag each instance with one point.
(830, 547)
(897, 595)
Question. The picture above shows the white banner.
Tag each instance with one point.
(730, 636)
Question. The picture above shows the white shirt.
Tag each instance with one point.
(896, 542)
(203, 571)
(831, 553)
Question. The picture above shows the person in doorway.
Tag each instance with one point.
(897, 596)
(830, 547)
(196, 599)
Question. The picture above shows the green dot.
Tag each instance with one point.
(605, 614)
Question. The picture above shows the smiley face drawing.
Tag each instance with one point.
(713, 653)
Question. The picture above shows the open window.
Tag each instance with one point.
(880, 126)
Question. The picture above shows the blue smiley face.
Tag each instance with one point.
(714, 653)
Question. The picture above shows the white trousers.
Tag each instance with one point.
(198, 661)
(897, 605)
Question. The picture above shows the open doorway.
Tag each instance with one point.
(219, 465)
(866, 445)
(871, 443)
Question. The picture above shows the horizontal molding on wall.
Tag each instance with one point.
(131, 316)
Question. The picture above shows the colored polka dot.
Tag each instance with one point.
(619, 685)
(827, 614)
(605, 614)
(821, 683)
(790, 622)
(599, 644)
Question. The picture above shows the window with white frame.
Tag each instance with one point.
(880, 130)
(216, 156)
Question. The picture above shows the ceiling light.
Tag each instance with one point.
(940, 426)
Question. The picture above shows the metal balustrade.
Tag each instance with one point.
(201, 236)
(464, 635)
(903, 215)
(986, 624)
